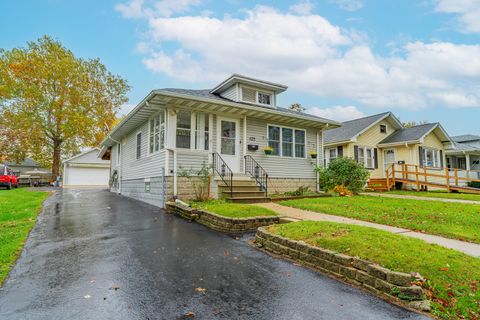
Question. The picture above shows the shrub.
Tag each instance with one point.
(299, 192)
(344, 172)
(474, 184)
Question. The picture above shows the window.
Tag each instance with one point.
(201, 131)
(383, 128)
(156, 133)
(366, 156)
(299, 143)
(286, 142)
(139, 145)
(264, 98)
(431, 158)
(274, 139)
(147, 186)
(184, 126)
(330, 155)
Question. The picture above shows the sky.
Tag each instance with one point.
(341, 59)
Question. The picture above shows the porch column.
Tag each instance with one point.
(467, 159)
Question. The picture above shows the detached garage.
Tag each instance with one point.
(86, 170)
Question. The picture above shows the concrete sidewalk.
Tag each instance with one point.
(401, 196)
(469, 248)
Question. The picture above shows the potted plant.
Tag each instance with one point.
(268, 150)
(313, 154)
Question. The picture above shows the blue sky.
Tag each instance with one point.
(340, 58)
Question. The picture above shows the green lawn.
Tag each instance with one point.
(438, 194)
(233, 210)
(453, 277)
(452, 220)
(18, 212)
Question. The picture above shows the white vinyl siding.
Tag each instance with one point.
(249, 95)
(231, 93)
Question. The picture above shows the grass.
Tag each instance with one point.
(452, 220)
(438, 194)
(453, 277)
(18, 212)
(233, 210)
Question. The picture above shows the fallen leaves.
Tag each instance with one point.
(199, 289)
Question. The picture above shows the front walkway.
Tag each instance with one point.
(402, 196)
(469, 248)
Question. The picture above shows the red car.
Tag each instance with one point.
(7, 178)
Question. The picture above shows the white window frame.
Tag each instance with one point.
(257, 92)
(257, 95)
(194, 130)
(294, 143)
(161, 128)
(365, 157)
(327, 155)
(436, 161)
(137, 155)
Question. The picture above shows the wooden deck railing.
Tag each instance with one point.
(450, 179)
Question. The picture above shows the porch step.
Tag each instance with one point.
(253, 188)
(378, 184)
(242, 194)
(248, 199)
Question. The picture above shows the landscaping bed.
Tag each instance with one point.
(18, 212)
(453, 220)
(438, 194)
(355, 254)
(226, 217)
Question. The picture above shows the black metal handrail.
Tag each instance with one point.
(256, 172)
(223, 170)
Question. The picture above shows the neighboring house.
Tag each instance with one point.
(464, 152)
(378, 141)
(229, 125)
(26, 165)
(86, 170)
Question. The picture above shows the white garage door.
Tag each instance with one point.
(87, 176)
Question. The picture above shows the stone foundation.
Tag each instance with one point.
(374, 278)
(220, 223)
(282, 185)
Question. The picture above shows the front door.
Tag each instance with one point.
(388, 158)
(228, 143)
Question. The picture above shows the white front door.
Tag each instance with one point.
(388, 158)
(228, 142)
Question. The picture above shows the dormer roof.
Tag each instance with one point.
(238, 78)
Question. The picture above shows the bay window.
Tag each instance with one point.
(286, 142)
(156, 139)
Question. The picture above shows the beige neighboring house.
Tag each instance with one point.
(380, 140)
(86, 170)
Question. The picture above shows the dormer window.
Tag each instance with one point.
(264, 98)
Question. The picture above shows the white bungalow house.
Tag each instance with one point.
(226, 127)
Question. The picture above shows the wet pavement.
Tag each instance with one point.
(97, 255)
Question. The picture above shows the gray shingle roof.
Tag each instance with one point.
(465, 138)
(205, 93)
(464, 147)
(350, 129)
(25, 163)
(409, 134)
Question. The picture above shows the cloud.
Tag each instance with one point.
(349, 5)
(468, 12)
(312, 55)
(164, 8)
(302, 8)
(338, 113)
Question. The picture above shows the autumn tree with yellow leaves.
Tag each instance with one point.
(52, 103)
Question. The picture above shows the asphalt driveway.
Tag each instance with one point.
(97, 255)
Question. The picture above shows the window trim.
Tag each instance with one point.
(365, 157)
(327, 158)
(159, 134)
(293, 143)
(258, 92)
(436, 158)
(193, 130)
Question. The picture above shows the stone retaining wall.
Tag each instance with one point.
(221, 223)
(373, 277)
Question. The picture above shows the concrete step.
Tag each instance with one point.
(241, 188)
(240, 183)
(241, 194)
(249, 199)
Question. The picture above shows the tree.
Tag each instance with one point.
(297, 107)
(52, 103)
(410, 124)
(343, 172)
